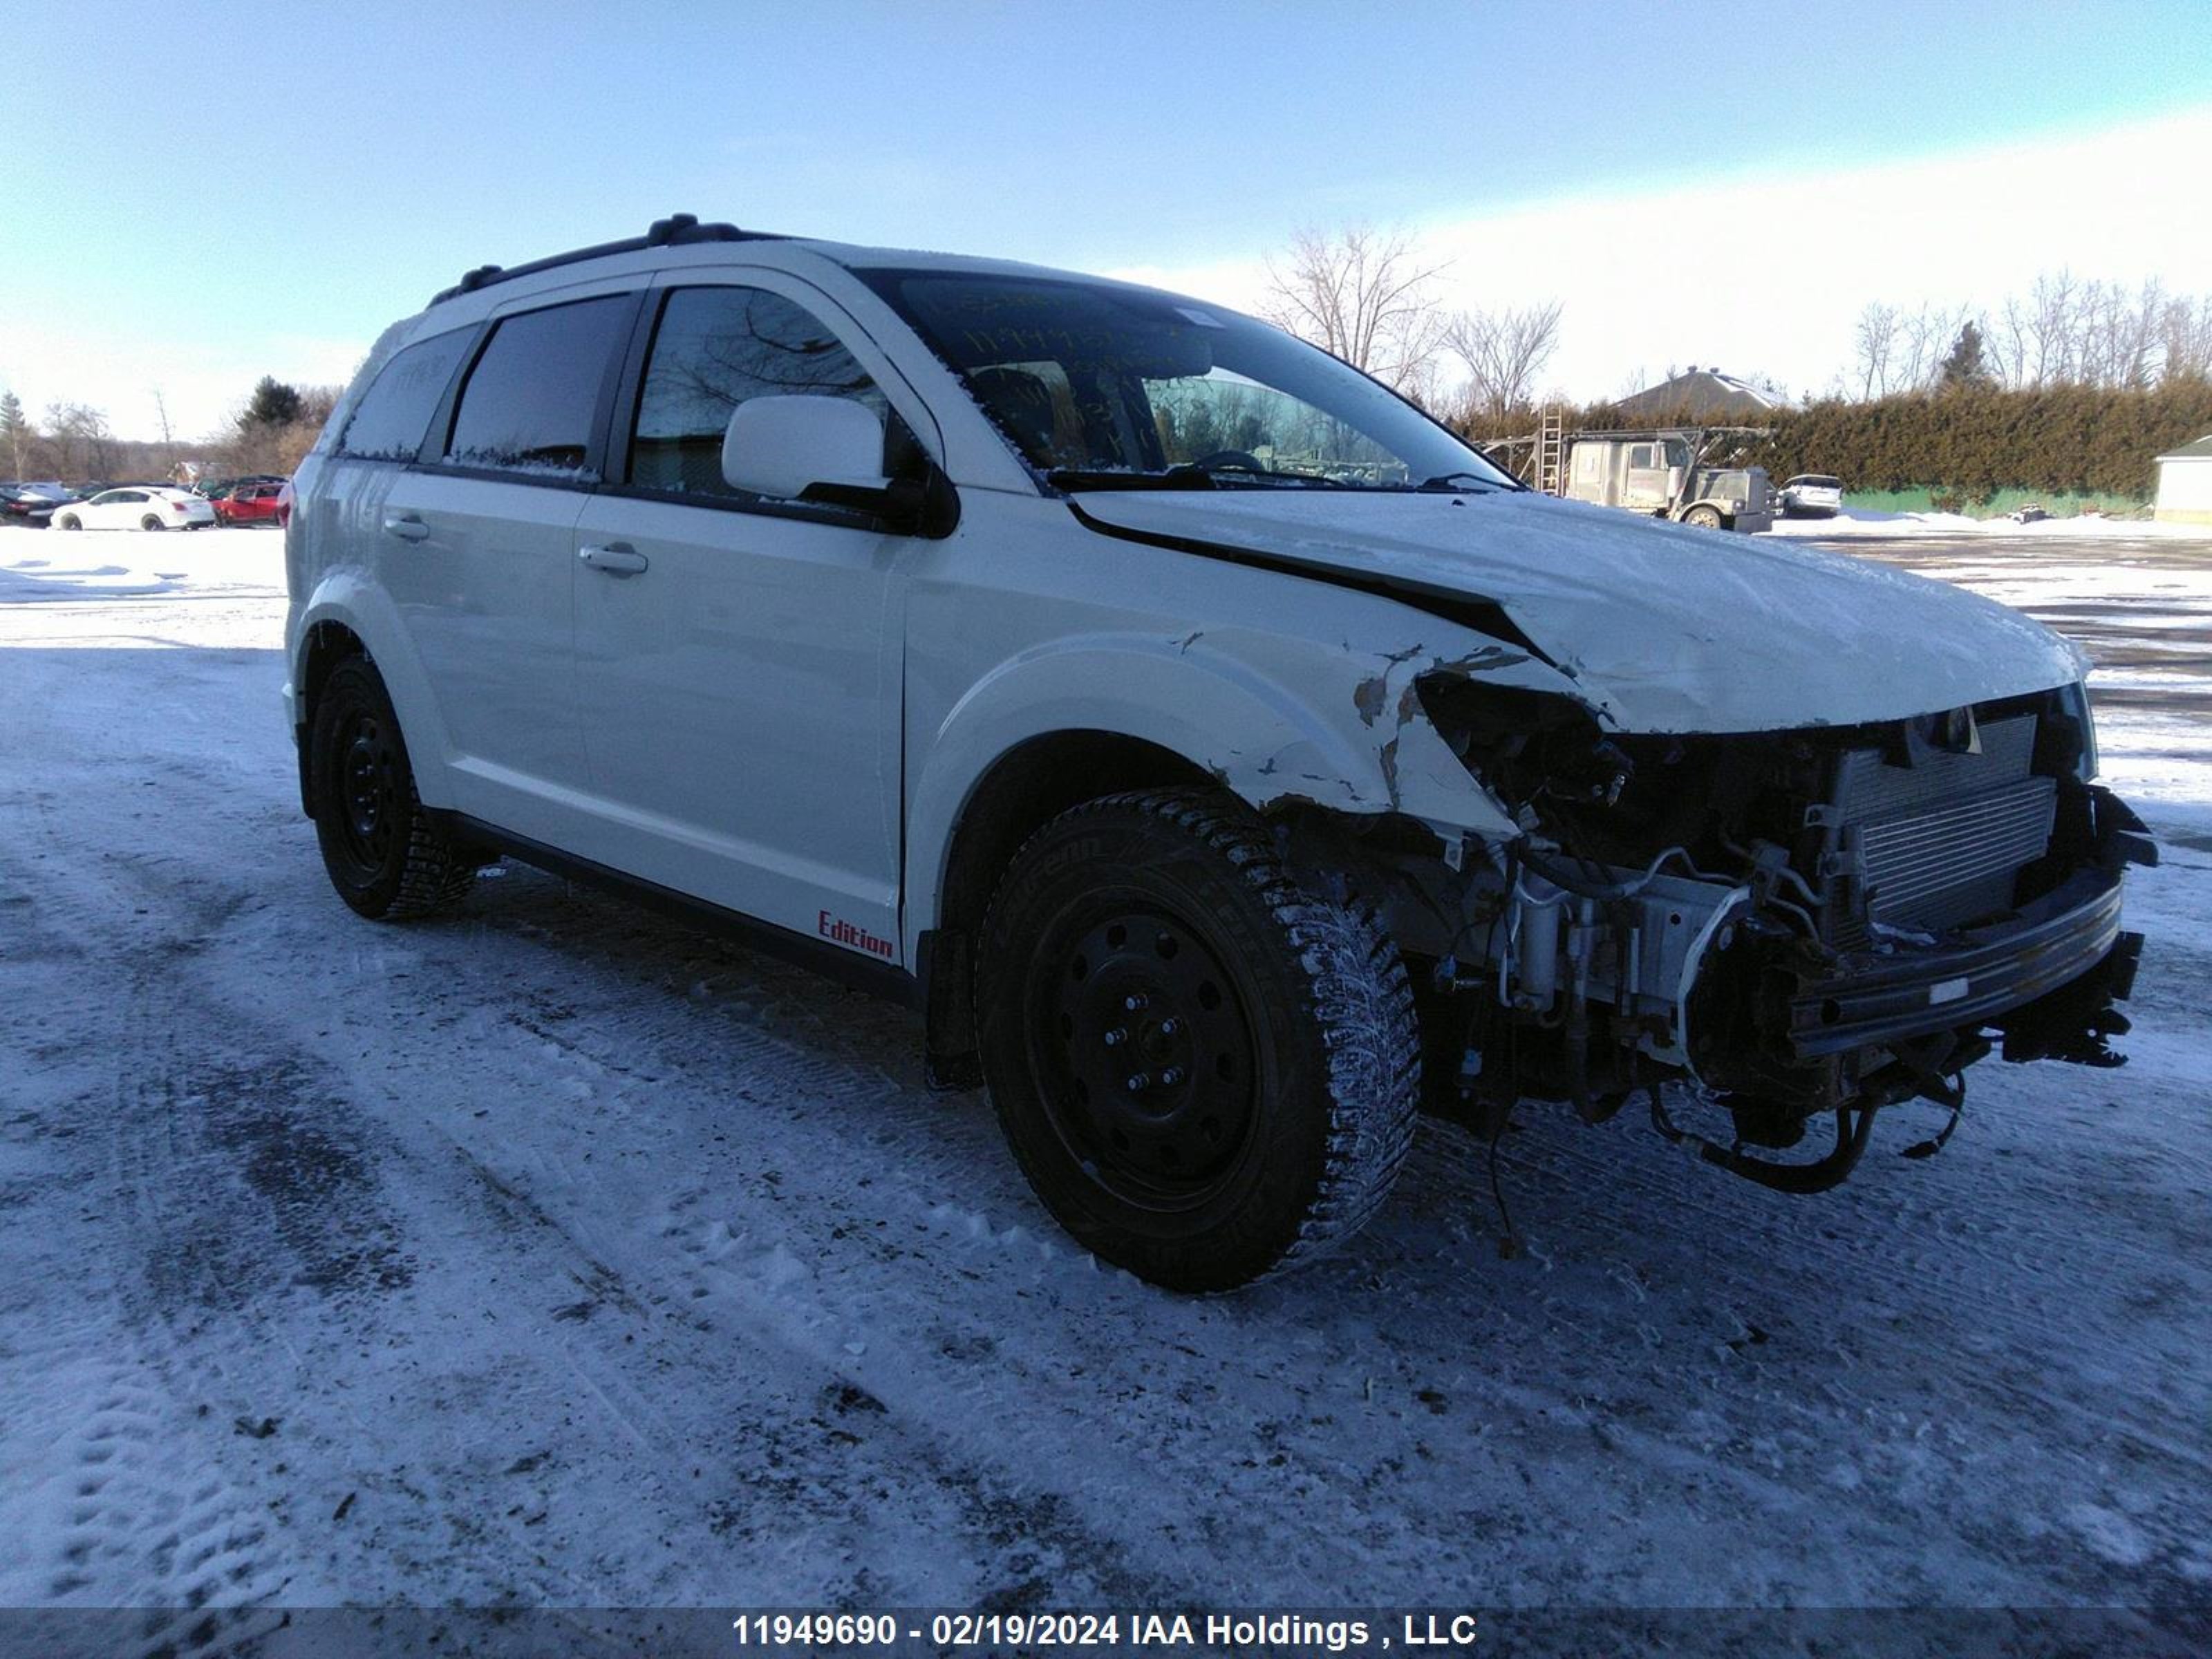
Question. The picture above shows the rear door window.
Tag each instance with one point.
(533, 399)
(393, 416)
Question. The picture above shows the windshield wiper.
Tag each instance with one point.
(1187, 476)
(1076, 478)
(1477, 483)
(1229, 477)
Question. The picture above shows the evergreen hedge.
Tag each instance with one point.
(1968, 442)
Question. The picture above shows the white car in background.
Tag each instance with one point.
(137, 508)
(1812, 496)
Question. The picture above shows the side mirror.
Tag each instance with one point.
(782, 447)
(809, 447)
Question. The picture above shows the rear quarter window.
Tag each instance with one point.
(393, 416)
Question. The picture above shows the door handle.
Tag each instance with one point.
(616, 559)
(407, 527)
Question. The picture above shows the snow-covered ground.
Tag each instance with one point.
(558, 1256)
(1866, 521)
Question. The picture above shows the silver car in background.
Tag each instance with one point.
(1812, 496)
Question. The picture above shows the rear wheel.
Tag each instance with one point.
(150, 522)
(1703, 518)
(1206, 1073)
(386, 858)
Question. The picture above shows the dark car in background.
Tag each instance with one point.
(22, 505)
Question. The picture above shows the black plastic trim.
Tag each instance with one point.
(879, 979)
(1484, 617)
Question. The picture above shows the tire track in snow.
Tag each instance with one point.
(975, 1498)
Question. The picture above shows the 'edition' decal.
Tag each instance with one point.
(858, 938)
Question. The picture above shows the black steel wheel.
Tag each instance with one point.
(1206, 1073)
(386, 856)
(1147, 1051)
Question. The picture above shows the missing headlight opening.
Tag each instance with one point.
(1796, 924)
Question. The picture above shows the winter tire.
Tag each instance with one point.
(67, 521)
(385, 856)
(150, 522)
(1703, 518)
(1207, 1074)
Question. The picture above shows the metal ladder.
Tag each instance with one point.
(1551, 454)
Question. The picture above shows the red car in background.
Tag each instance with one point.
(249, 503)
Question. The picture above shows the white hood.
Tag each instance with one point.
(1668, 629)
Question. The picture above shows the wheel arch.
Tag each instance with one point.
(323, 646)
(1024, 788)
(348, 616)
(1159, 710)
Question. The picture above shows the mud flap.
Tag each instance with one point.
(951, 1061)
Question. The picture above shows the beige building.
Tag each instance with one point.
(2185, 484)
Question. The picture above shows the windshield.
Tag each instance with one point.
(1105, 386)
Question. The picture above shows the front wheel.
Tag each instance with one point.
(67, 521)
(1208, 1072)
(386, 856)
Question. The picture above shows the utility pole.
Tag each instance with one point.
(168, 443)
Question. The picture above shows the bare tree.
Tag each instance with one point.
(1364, 295)
(1925, 338)
(2040, 332)
(80, 440)
(2185, 339)
(2124, 334)
(2063, 331)
(1503, 352)
(1875, 337)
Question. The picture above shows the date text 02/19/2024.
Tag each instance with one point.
(1110, 1631)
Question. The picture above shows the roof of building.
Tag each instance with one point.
(1700, 394)
(2199, 451)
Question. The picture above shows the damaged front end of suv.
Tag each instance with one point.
(1800, 924)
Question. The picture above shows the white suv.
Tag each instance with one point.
(1227, 758)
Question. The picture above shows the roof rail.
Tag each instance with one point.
(674, 231)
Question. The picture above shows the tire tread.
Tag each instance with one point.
(1357, 991)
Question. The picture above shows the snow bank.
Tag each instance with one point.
(1865, 521)
(88, 581)
(33, 581)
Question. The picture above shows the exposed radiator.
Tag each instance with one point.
(1941, 842)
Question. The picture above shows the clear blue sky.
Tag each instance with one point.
(244, 177)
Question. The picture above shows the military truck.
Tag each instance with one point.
(1662, 473)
